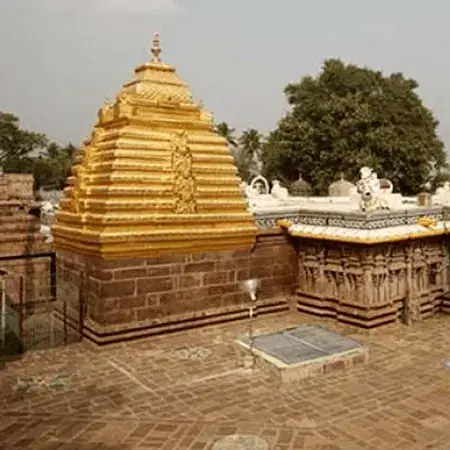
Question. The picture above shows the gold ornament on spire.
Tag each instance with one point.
(156, 49)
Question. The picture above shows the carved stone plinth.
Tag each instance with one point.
(372, 285)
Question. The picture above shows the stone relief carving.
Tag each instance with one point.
(391, 277)
(184, 185)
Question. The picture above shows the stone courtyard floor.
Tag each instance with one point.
(191, 390)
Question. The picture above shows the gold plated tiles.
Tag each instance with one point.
(154, 178)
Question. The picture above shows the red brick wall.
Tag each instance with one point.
(130, 291)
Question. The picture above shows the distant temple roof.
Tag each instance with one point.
(300, 187)
(340, 188)
(154, 177)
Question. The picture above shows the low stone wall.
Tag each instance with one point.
(372, 285)
(16, 186)
(28, 279)
(20, 239)
(132, 298)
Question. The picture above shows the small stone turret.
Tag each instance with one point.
(300, 188)
(341, 188)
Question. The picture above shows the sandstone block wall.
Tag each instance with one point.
(36, 279)
(179, 290)
(20, 237)
(15, 186)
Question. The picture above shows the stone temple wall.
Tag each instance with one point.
(20, 237)
(16, 186)
(373, 285)
(132, 298)
(362, 285)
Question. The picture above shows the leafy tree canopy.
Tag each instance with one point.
(246, 148)
(250, 144)
(23, 151)
(16, 143)
(348, 117)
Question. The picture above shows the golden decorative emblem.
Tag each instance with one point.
(427, 222)
(184, 185)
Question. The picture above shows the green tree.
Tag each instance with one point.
(17, 145)
(348, 117)
(248, 153)
(242, 164)
(23, 151)
(227, 132)
(250, 141)
(53, 165)
(224, 130)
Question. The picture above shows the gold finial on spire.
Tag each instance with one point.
(156, 49)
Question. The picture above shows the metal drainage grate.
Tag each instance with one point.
(241, 442)
(302, 344)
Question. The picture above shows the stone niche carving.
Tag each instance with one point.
(260, 186)
(371, 286)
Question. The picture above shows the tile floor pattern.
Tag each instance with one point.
(191, 390)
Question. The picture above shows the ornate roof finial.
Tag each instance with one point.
(156, 49)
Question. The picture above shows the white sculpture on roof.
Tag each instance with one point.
(260, 185)
(278, 191)
(369, 188)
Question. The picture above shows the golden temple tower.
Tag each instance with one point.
(154, 178)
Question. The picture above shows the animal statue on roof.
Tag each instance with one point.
(370, 191)
(278, 191)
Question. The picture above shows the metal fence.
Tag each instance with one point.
(38, 316)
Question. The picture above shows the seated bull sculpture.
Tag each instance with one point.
(370, 189)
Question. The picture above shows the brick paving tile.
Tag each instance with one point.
(189, 390)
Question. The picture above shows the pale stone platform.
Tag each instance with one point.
(305, 351)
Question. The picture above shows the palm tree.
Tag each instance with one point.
(250, 141)
(227, 132)
(250, 144)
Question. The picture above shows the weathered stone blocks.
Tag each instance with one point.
(141, 294)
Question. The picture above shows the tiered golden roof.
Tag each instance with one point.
(154, 178)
